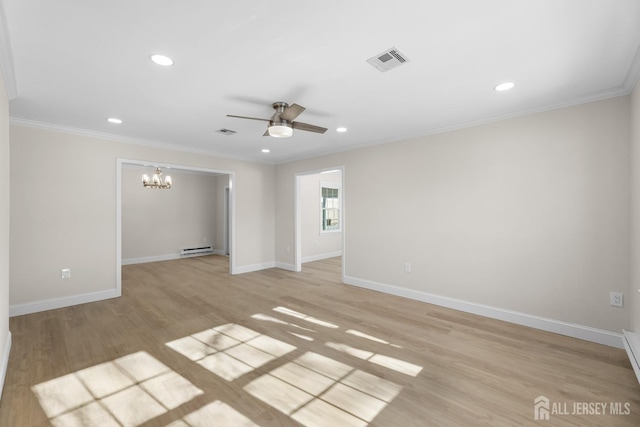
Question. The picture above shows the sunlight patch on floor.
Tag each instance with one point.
(302, 337)
(396, 364)
(307, 318)
(317, 391)
(313, 389)
(267, 318)
(379, 359)
(216, 412)
(128, 391)
(370, 337)
(321, 414)
(230, 350)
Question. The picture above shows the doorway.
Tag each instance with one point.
(225, 213)
(227, 221)
(319, 215)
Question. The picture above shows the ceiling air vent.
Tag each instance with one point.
(390, 58)
(226, 131)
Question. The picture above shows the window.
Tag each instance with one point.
(330, 207)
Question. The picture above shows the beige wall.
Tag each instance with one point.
(316, 245)
(529, 214)
(5, 336)
(63, 210)
(158, 223)
(634, 297)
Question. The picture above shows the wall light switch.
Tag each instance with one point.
(66, 273)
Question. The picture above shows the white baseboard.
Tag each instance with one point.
(632, 345)
(5, 361)
(254, 267)
(51, 304)
(219, 252)
(167, 257)
(285, 266)
(147, 259)
(587, 333)
(321, 256)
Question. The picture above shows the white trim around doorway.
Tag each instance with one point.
(137, 162)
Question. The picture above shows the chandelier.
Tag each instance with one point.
(156, 181)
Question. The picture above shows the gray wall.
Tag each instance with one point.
(158, 223)
(530, 214)
(316, 245)
(68, 219)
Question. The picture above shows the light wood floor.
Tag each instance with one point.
(294, 346)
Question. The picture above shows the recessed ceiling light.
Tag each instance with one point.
(504, 86)
(341, 129)
(114, 120)
(162, 60)
(266, 150)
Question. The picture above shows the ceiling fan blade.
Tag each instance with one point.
(291, 112)
(308, 127)
(245, 117)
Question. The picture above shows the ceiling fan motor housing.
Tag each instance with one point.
(279, 127)
(282, 124)
(279, 106)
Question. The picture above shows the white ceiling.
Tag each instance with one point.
(78, 62)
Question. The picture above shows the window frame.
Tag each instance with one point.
(335, 186)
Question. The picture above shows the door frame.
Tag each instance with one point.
(121, 161)
(297, 220)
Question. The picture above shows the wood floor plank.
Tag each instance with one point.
(332, 351)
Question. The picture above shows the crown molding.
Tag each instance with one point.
(6, 57)
(633, 75)
(586, 99)
(124, 139)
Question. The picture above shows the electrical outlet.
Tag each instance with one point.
(407, 267)
(616, 299)
(66, 273)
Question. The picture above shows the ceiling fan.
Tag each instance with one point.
(281, 124)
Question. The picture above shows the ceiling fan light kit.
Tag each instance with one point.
(280, 130)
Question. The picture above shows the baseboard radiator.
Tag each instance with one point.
(195, 251)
